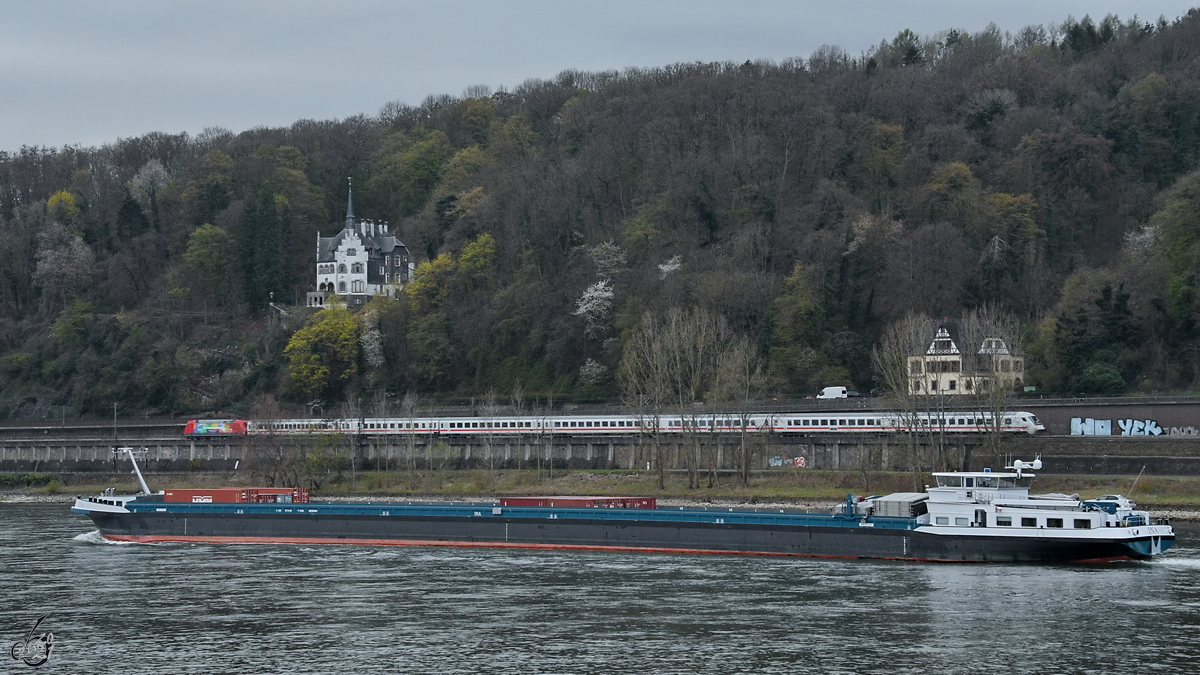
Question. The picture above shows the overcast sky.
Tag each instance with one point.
(88, 72)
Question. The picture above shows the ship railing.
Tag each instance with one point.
(1134, 521)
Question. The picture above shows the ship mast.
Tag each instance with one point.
(141, 481)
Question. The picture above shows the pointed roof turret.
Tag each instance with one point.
(349, 203)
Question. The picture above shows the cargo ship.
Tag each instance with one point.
(967, 516)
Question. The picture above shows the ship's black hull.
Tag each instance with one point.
(842, 539)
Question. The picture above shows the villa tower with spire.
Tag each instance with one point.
(361, 261)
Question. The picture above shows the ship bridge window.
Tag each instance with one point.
(949, 481)
(987, 482)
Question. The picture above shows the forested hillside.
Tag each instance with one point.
(1052, 175)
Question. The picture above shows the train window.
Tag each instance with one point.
(824, 423)
(870, 422)
(862, 423)
(1007, 421)
(841, 423)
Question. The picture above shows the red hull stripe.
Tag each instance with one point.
(147, 539)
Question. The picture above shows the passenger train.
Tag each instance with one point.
(616, 425)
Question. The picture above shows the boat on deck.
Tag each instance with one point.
(967, 516)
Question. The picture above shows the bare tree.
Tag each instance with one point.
(64, 265)
(991, 346)
(739, 382)
(268, 456)
(672, 361)
(644, 382)
(899, 364)
(409, 407)
(490, 410)
(517, 398)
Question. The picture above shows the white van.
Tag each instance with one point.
(832, 392)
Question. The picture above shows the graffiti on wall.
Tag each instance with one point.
(794, 462)
(1086, 426)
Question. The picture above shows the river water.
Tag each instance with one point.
(198, 608)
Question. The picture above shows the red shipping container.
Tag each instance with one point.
(209, 496)
(238, 495)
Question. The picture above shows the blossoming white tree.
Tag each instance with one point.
(595, 305)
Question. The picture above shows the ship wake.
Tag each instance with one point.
(94, 537)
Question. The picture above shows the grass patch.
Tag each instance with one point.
(26, 480)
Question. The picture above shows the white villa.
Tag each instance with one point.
(361, 261)
(945, 369)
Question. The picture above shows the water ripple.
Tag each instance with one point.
(200, 608)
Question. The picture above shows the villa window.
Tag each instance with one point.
(341, 287)
(342, 268)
